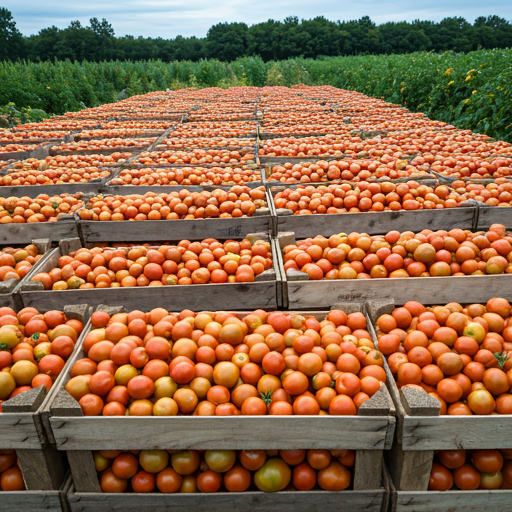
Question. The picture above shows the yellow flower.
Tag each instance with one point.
(47, 87)
(450, 83)
(474, 92)
(448, 72)
(468, 78)
(499, 88)
(467, 101)
(402, 89)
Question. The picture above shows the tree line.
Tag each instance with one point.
(270, 40)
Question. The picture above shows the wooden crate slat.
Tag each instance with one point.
(19, 431)
(163, 230)
(214, 432)
(488, 215)
(311, 294)
(454, 501)
(308, 501)
(457, 432)
(30, 501)
(24, 233)
(375, 223)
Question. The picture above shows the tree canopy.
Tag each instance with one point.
(271, 40)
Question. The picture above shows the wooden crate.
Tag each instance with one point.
(373, 500)
(65, 188)
(369, 433)
(302, 293)
(156, 230)
(9, 289)
(373, 223)
(421, 431)
(263, 293)
(22, 424)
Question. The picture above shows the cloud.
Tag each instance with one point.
(169, 18)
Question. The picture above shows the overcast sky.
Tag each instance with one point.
(169, 18)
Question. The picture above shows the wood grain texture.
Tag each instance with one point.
(171, 230)
(457, 432)
(255, 295)
(19, 431)
(454, 501)
(306, 501)
(42, 469)
(320, 294)
(410, 470)
(375, 223)
(85, 476)
(24, 233)
(488, 215)
(30, 501)
(66, 188)
(216, 432)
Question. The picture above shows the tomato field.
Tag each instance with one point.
(280, 296)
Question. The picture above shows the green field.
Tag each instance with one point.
(470, 90)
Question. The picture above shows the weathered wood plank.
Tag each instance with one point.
(319, 294)
(454, 501)
(488, 215)
(374, 223)
(42, 469)
(255, 295)
(30, 501)
(66, 188)
(307, 501)
(457, 432)
(216, 432)
(19, 431)
(25, 233)
(167, 230)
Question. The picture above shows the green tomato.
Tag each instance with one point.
(273, 476)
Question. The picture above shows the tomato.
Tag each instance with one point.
(209, 481)
(143, 482)
(487, 461)
(237, 479)
(220, 460)
(185, 462)
(304, 477)
(335, 477)
(441, 478)
(452, 459)
(111, 483)
(273, 476)
(466, 477)
(125, 466)
(168, 481)
(153, 461)
(252, 459)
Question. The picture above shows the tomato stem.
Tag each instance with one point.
(267, 397)
(501, 359)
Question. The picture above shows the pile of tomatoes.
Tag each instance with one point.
(224, 470)
(188, 262)
(348, 169)
(220, 364)
(497, 193)
(204, 142)
(460, 356)
(16, 263)
(42, 208)
(238, 201)
(364, 197)
(429, 253)
(101, 144)
(34, 348)
(16, 148)
(52, 176)
(187, 176)
(11, 478)
(196, 157)
(470, 470)
(231, 129)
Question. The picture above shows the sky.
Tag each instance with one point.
(169, 18)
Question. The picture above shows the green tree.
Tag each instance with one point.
(226, 41)
(12, 44)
